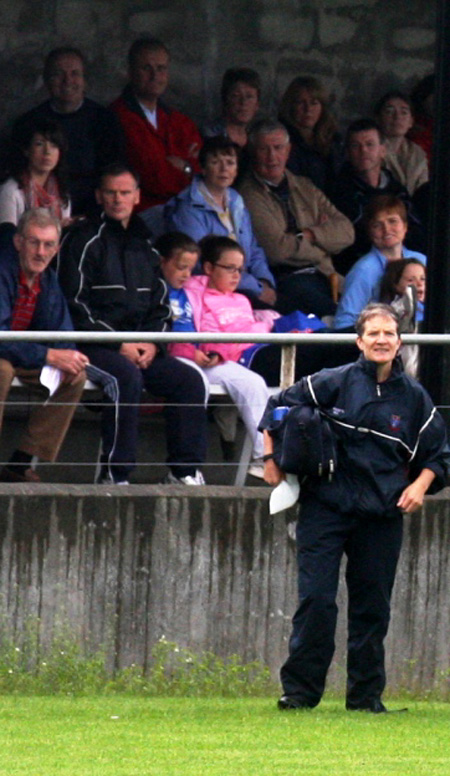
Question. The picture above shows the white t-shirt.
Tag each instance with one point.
(12, 203)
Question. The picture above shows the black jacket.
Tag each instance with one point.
(110, 278)
(387, 433)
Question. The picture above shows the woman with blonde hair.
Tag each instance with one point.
(317, 150)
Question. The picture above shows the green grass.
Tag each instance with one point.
(124, 736)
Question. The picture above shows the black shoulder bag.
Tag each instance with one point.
(304, 442)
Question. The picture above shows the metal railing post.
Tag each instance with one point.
(287, 369)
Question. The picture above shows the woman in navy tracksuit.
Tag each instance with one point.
(391, 451)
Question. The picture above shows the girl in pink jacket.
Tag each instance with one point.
(209, 303)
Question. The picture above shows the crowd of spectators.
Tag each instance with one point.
(235, 227)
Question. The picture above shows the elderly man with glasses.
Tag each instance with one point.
(30, 299)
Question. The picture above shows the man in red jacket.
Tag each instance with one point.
(162, 144)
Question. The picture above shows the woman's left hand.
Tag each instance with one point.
(412, 497)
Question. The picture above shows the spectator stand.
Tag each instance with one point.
(217, 392)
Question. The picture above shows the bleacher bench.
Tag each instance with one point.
(216, 391)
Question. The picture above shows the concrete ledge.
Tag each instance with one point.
(206, 567)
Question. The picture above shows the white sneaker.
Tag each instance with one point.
(189, 479)
(108, 480)
(256, 468)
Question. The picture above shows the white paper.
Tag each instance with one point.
(285, 495)
(51, 378)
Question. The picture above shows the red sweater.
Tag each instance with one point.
(147, 148)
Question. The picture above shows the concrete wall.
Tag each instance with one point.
(358, 47)
(209, 570)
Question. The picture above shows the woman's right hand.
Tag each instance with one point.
(272, 473)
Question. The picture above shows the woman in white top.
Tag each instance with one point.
(406, 160)
(36, 174)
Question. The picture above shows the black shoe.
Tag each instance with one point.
(11, 475)
(375, 707)
(287, 703)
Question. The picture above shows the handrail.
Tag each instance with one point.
(289, 338)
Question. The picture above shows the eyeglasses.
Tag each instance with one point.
(230, 270)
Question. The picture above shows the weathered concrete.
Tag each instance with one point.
(208, 569)
(360, 48)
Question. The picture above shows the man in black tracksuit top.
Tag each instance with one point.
(109, 273)
(391, 447)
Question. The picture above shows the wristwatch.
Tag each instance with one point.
(187, 169)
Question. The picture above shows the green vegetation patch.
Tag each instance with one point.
(65, 669)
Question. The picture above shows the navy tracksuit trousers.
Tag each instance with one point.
(372, 547)
(184, 392)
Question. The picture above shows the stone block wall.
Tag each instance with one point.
(359, 48)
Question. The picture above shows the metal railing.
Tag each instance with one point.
(287, 341)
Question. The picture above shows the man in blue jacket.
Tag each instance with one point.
(30, 299)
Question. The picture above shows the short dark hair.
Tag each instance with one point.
(235, 75)
(18, 161)
(217, 145)
(115, 169)
(363, 125)
(382, 202)
(172, 242)
(145, 43)
(373, 309)
(394, 94)
(212, 247)
(57, 53)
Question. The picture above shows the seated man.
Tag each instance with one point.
(362, 178)
(162, 144)
(296, 225)
(110, 275)
(93, 134)
(30, 299)
(386, 221)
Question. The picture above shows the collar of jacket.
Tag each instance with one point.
(370, 368)
(392, 186)
(136, 226)
(289, 176)
(132, 103)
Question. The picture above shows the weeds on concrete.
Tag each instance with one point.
(173, 671)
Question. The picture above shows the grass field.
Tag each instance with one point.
(124, 736)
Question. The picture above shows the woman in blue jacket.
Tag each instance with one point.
(210, 206)
(391, 451)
